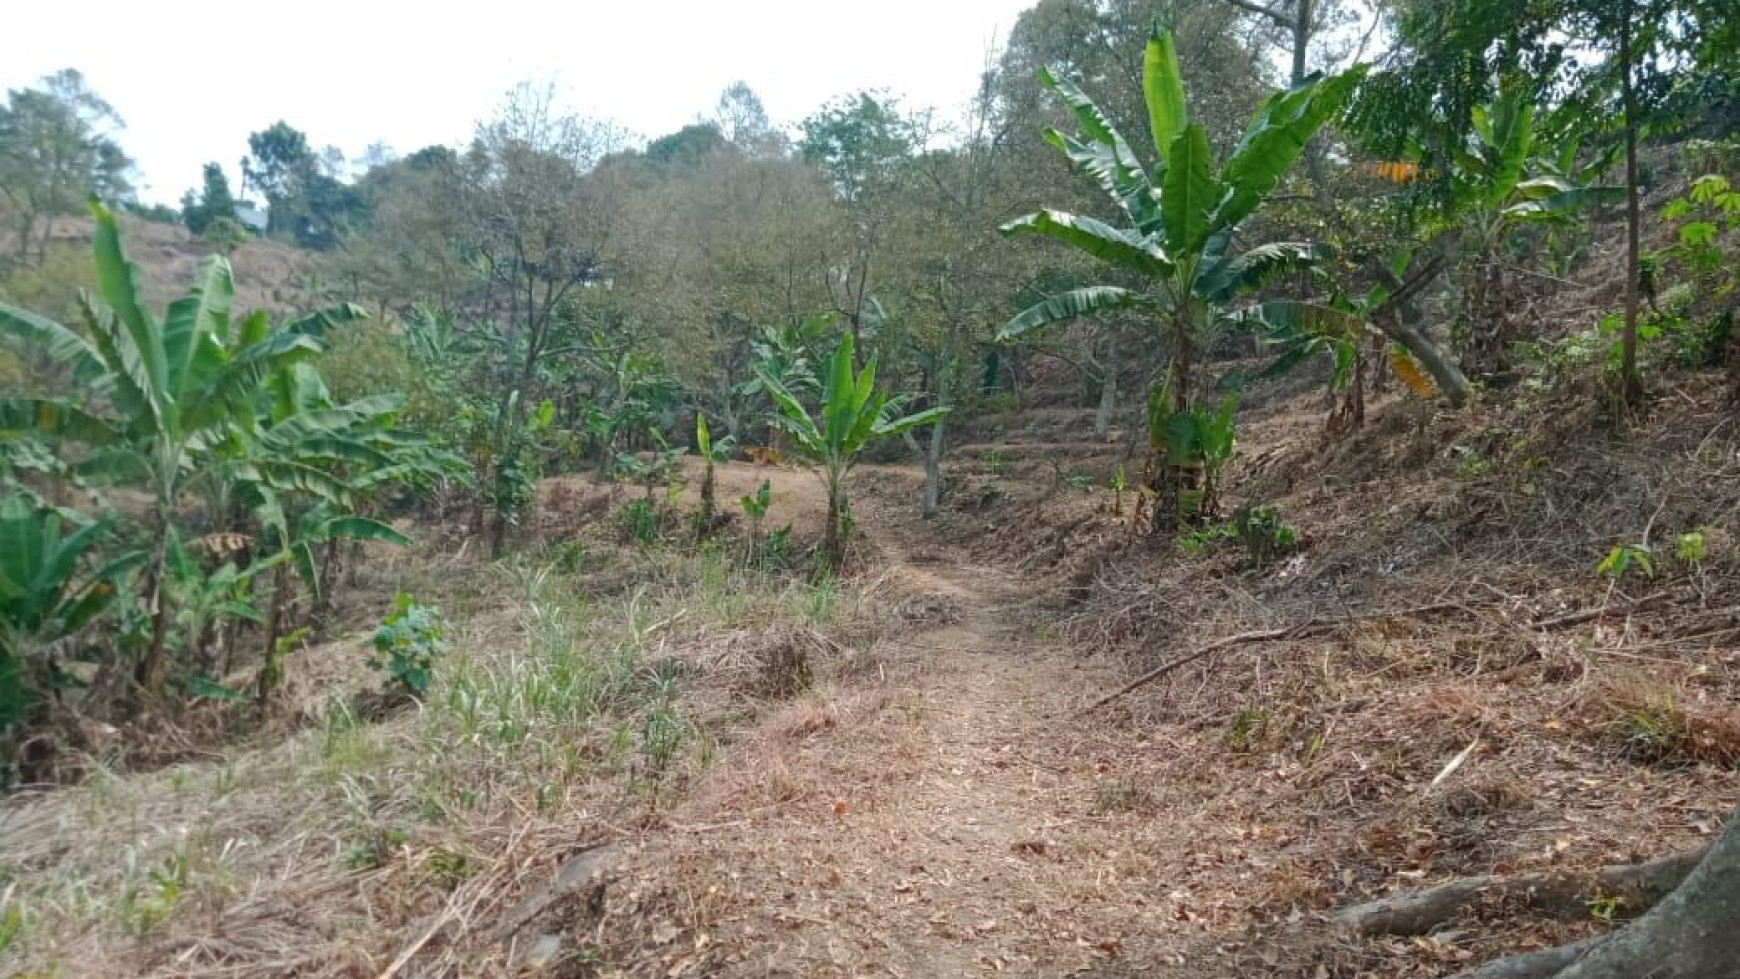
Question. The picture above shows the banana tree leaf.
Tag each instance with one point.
(909, 422)
(1163, 90)
(1096, 238)
(1094, 123)
(1129, 189)
(1070, 305)
(1276, 138)
(28, 331)
(1255, 268)
(118, 285)
(1564, 204)
(1190, 192)
(194, 323)
(317, 325)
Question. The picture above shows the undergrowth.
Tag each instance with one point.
(568, 709)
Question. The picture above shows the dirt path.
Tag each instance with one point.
(955, 822)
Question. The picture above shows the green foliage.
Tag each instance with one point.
(1691, 547)
(1625, 558)
(1265, 535)
(406, 644)
(640, 520)
(1178, 224)
(213, 203)
(53, 584)
(853, 414)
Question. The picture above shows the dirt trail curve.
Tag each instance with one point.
(959, 822)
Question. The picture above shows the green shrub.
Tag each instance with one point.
(1264, 534)
(407, 642)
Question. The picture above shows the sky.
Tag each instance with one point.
(192, 78)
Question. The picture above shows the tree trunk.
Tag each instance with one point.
(272, 671)
(1301, 38)
(938, 442)
(155, 667)
(834, 543)
(1691, 934)
(1631, 385)
(1108, 393)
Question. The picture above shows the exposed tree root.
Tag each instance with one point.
(1639, 886)
(1688, 933)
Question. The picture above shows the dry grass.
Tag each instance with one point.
(559, 719)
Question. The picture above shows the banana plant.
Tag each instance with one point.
(1179, 217)
(711, 453)
(164, 403)
(1493, 183)
(853, 415)
(53, 583)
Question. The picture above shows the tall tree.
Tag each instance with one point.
(57, 146)
(278, 163)
(213, 202)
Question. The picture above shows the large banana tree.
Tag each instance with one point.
(853, 415)
(1177, 219)
(1494, 183)
(172, 404)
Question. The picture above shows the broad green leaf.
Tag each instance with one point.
(116, 283)
(194, 323)
(1096, 238)
(1075, 303)
(34, 333)
(1276, 138)
(1255, 268)
(1163, 90)
(1559, 205)
(1189, 193)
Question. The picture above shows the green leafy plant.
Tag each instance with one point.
(755, 506)
(53, 583)
(853, 415)
(1691, 547)
(1625, 558)
(1179, 220)
(406, 644)
(1265, 535)
(1494, 182)
(192, 402)
(640, 520)
(710, 453)
(1195, 444)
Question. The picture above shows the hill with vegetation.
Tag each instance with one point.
(760, 553)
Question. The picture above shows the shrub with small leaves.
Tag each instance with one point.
(1265, 535)
(407, 642)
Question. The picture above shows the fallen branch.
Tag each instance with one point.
(1599, 612)
(1638, 886)
(1312, 627)
(1267, 635)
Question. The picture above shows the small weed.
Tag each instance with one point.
(375, 851)
(1194, 542)
(1247, 729)
(995, 463)
(447, 868)
(1691, 548)
(1079, 480)
(148, 903)
(1624, 558)
(1605, 908)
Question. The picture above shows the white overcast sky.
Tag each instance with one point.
(193, 77)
